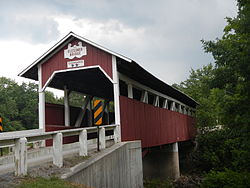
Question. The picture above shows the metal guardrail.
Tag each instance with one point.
(20, 143)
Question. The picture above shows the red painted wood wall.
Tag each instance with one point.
(152, 125)
(94, 56)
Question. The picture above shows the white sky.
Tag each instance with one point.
(162, 36)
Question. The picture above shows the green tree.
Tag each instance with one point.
(199, 87)
(223, 91)
(232, 62)
(19, 104)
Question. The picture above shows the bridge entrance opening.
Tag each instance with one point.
(86, 85)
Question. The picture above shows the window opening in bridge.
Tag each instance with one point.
(123, 88)
(151, 98)
(161, 101)
(169, 104)
(137, 94)
(76, 99)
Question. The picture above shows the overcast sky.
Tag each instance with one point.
(163, 36)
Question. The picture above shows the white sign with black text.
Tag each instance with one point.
(75, 51)
(74, 64)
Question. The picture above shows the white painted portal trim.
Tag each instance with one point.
(116, 96)
(143, 87)
(41, 103)
(75, 69)
(66, 107)
(50, 52)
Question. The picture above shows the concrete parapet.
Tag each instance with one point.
(117, 166)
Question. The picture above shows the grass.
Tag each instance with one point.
(53, 182)
(158, 183)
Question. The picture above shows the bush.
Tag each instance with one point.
(220, 149)
(226, 179)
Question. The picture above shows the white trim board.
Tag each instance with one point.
(75, 69)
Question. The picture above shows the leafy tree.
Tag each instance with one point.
(199, 87)
(223, 91)
(232, 63)
(19, 104)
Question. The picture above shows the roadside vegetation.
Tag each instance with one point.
(29, 182)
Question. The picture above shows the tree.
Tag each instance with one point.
(199, 87)
(19, 104)
(223, 91)
(232, 63)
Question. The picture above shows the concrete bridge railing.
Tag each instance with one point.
(20, 143)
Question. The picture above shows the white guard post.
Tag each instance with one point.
(41, 104)
(116, 96)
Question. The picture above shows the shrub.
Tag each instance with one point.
(226, 179)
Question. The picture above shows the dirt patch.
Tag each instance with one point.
(45, 170)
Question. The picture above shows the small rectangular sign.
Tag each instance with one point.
(74, 64)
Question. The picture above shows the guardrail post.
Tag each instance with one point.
(102, 140)
(57, 150)
(83, 143)
(20, 157)
(116, 134)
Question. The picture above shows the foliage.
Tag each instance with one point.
(226, 179)
(158, 183)
(19, 104)
(232, 62)
(47, 183)
(224, 148)
(51, 98)
(223, 92)
(199, 87)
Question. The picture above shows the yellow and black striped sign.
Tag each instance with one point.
(98, 112)
(1, 124)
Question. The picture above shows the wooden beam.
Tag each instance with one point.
(83, 111)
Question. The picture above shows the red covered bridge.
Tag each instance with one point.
(146, 108)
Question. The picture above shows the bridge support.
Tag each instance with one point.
(176, 166)
(162, 162)
(20, 157)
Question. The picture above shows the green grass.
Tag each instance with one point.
(158, 183)
(53, 182)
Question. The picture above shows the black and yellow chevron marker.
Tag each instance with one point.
(1, 124)
(98, 112)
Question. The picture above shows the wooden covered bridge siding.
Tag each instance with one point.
(153, 125)
(94, 57)
(95, 71)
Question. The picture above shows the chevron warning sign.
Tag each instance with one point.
(98, 112)
(1, 124)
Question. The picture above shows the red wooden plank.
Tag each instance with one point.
(94, 56)
(152, 125)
